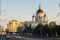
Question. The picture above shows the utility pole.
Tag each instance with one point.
(59, 11)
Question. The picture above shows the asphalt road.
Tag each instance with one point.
(40, 38)
(33, 39)
(28, 38)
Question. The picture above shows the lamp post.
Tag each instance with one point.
(41, 31)
(59, 10)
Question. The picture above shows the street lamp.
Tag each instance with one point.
(41, 31)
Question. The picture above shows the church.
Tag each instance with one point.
(39, 17)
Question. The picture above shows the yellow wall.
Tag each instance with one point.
(12, 25)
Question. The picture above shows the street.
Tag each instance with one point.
(26, 38)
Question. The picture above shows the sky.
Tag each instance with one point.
(23, 10)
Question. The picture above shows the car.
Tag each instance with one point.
(8, 36)
(17, 37)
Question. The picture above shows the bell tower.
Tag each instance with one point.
(34, 18)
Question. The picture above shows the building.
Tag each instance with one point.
(38, 18)
(1, 29)
(13, 25)
(21, 24)
(52, 24)
(21, 27)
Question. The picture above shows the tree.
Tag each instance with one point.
(19, 30)
(49, 32)
(7, 31)
(52, 31)
(28, 29)
(58, 30)
(45, 30)
(38, 29)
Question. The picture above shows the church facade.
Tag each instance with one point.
(38, 18)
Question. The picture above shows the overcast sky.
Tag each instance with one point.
(22, 10)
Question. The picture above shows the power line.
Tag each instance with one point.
(57, 14)
(1, 11)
